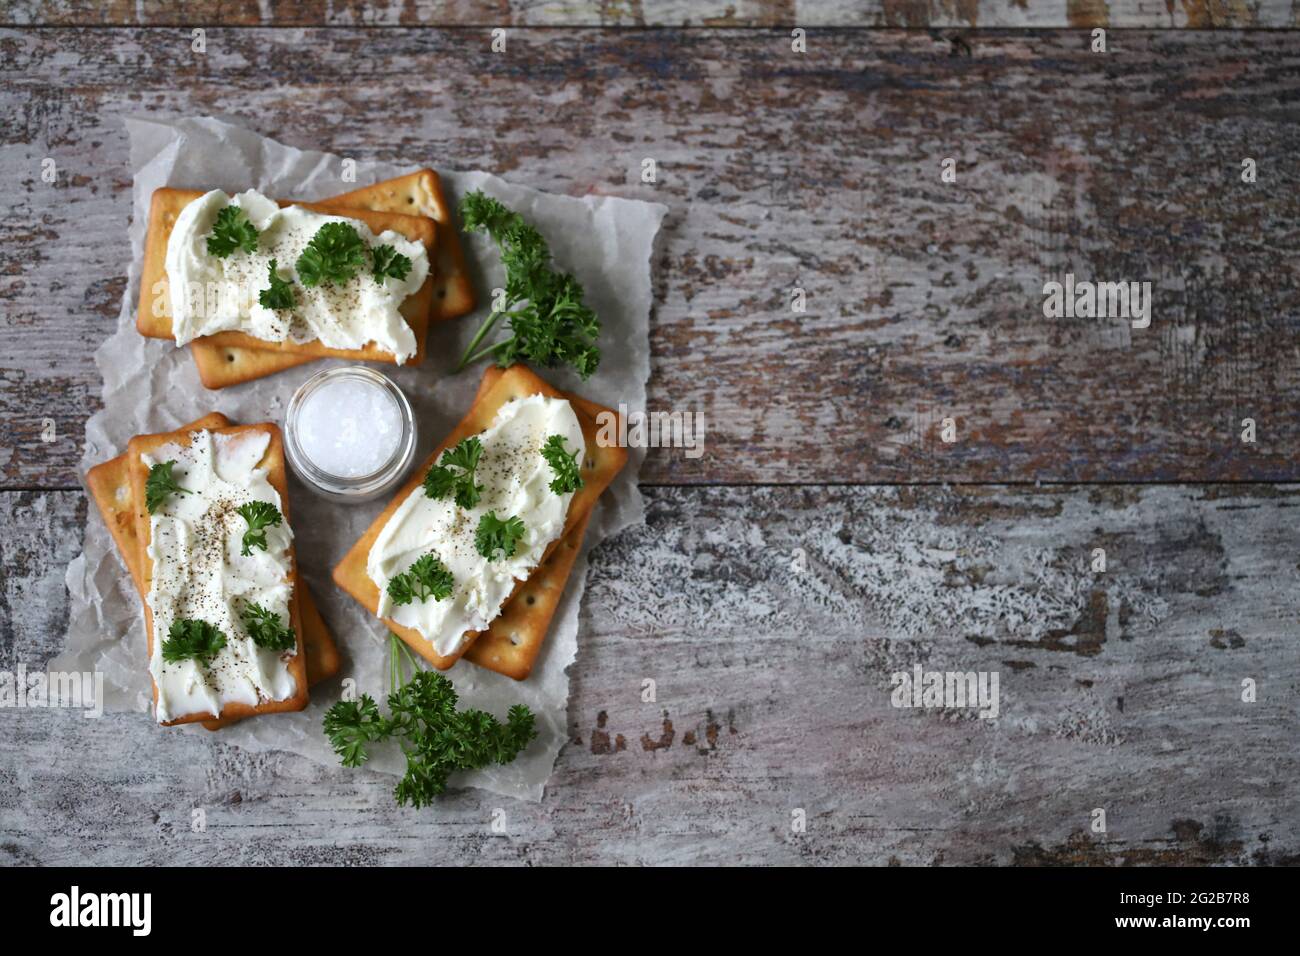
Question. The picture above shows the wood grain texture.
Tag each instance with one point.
(1118, 690)
(1196, 14)
(817, 171)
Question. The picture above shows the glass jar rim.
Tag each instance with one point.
(361, 486)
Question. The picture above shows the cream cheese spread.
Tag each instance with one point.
(516, 482)
(208, 294)
(199, 573)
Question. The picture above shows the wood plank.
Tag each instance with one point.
(1118, 690)
(819, 171)
(1153, 14)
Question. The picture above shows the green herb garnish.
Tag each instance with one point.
(495, 534)
(232, 231)
(260, 515)
(350, 725)
(267, 629)
(159, 485)
(563, 464)
(280, 294)
(188, 638)
(335, 254)
(427, 577)
(549, 323)
(436, 738)
(442, 480)
(387, 261)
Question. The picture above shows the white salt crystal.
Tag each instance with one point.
(349, 428)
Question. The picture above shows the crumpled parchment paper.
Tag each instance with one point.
(150, 386)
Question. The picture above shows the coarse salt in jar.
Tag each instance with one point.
(349, 433)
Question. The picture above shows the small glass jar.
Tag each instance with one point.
(349, 433)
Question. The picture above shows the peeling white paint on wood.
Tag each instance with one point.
(1119, 690)
(1150, 14)
(818, 172)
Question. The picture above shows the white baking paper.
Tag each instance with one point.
(151, 386)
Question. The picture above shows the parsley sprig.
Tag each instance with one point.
(436, 738)
(496, 534)
(333, 256)
(387, 261)
(549, 323)
(426, 577)
(454, 474)
(232, 230)
(159, 485)
(188, 638)
(280, 294)
(260, 515)
(564, 465)
(267, 629)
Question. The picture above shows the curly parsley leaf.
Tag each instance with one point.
(335, 254)
(454, 474)
(388, 262)
(436, 738)
(280, 294)
(549, 322)
(439, 482)
(159, 485)
(267, 629)
(232, 231)
(188, 638)
(495, 534)
(563, 465)
(427, 577)
(260, 515)
(350, 725)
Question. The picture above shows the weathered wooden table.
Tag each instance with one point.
(828, 537)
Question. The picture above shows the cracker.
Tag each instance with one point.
(513, 640)
(323, 660)
(110, 487)
(167, 204)
(273, 462)
(598, 469)
(453, 291)
(421, 192)
(224, 365)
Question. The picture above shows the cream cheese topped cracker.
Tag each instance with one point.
(203, 570)
(217, 291)
(515, 481)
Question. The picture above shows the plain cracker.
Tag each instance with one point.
(221, 366)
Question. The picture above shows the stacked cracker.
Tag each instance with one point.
(117, 487)
(513, 640)
(412, 205)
